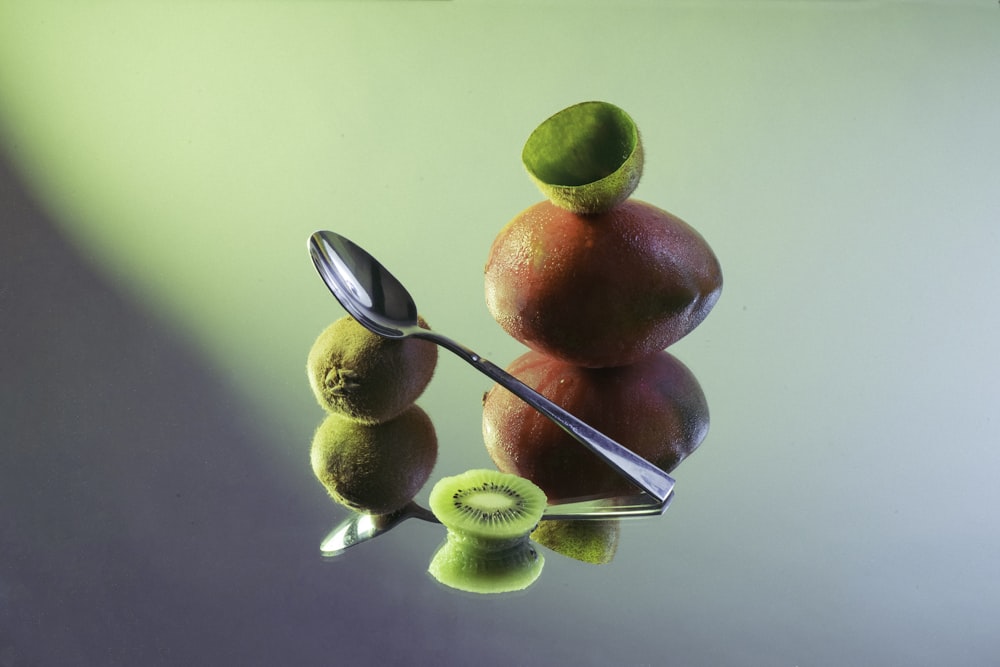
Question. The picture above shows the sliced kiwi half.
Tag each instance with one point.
(487, 508)
(489, 515)
(586, 158)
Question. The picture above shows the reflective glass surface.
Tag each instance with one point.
(163, 166)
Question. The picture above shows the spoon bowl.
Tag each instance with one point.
(377, 300)
(365, 288)
(361, 527)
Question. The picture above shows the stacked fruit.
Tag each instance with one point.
(597, 285)
(376, 448)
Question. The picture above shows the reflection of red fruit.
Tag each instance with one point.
(600, 290)
(654, 407)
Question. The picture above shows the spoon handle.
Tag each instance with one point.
(641, 472)
(616, 507)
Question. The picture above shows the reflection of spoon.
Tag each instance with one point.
(359, 527)
(380, 302)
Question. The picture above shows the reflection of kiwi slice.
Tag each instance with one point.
(367, 377)
(487, 506)
(476, 571)
(374, 468)
(588, 541)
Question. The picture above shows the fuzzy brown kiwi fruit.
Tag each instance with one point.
(366, 377)
(374, 468)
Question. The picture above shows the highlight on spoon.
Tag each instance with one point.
(361, 527)
(346, 277)
(364, 287)
(357, 529)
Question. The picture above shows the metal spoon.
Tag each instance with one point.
(380, 302)
(361, 527)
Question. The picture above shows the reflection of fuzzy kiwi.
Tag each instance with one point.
(489, 515)
(468, 569)
(357, 373)
(374, 468)
(588, 541)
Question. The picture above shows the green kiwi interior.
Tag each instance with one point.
(487, 505)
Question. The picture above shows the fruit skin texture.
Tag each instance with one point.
(654, 407)
(367, 377)
(600, 290)
(374, 468)
(592, 542)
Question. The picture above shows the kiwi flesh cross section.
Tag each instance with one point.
(487, 508)
(489, 515)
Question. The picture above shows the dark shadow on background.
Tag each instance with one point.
(139, 521)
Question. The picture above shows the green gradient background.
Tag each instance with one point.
(841, 158)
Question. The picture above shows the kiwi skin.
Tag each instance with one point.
(374, 468)
(368, 377)
(586, 158)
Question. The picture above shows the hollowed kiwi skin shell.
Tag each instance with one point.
(654, 407)
(586, 158)
(600, 290)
